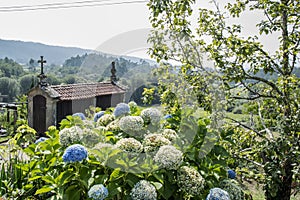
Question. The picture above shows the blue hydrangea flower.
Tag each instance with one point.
(231, 174)
(217, 194)
(98, 115)
(98, 192)
(121, 109)
(41, 139)
(81, 115)
(74, 153)
(168, 116)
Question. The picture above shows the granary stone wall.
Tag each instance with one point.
(50, 107)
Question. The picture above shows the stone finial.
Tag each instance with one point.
(113, 77)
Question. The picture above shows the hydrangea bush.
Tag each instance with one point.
(132, 162)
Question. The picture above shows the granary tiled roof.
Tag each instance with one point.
(86, 90)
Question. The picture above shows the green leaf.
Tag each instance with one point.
(157, 185)
(44, 189)
(116, 174)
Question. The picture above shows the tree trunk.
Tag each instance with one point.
(285, 188)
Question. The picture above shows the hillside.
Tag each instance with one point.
(22, 52)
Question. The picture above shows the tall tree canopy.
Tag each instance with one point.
(269, 146)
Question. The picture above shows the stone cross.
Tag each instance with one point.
(42, 76)
(42, 61)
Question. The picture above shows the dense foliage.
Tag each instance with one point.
(141, 158)
(218, 57)
(17, 79)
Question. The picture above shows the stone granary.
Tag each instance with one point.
(49, 104)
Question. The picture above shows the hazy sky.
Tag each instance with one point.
(86, 27)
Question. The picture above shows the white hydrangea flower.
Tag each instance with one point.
(143, 190)
(151, 115)
(168, 157)
(88, 124)
(69, 136)
(130, 145)
(169, 134)
(90, 137)
(190, 180)
(131, 124)
(114, 126)
(153, 141)
(105, 120)
(231, 186)
(101, 145)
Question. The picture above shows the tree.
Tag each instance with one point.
(9, 87)
(32, 65)
(270, 146)
(10, 68)
(27, 82)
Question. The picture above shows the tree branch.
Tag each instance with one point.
(263, 122)
(246, 127)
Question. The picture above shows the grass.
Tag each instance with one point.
(258, 194)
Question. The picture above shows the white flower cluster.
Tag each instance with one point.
(69, 136)
(131, 124)
(153, 141)
(105, 120)
(130, 145)
(168, 157)
(114, 126)
(101, 146)
(151, 115)
(90, 137)
(190, 181)
(143, 190)
(234, 191)
(88, 124)
(169, 134)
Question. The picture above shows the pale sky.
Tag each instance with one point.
(85, 27)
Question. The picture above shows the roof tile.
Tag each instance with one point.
(86, 90)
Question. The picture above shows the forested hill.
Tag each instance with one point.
(22, 52)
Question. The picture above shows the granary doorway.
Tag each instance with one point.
(39, 116)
